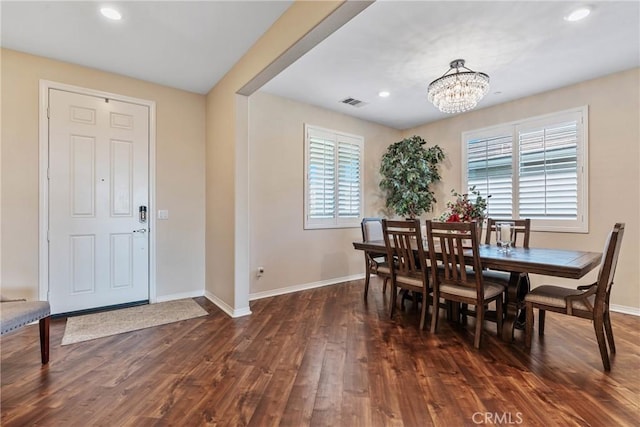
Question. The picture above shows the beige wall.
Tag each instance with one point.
(291, 255)
(614, 174)
(224, 195)
(180, 127)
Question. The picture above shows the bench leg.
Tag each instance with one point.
(44, 339)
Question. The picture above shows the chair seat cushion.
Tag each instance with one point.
(491, 288)
(15, 314)
(494, 276)
(555, 296)
(408, 280)
(382, 268)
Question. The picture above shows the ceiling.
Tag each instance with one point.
(186, 45)
(398, 46)
(401, 46)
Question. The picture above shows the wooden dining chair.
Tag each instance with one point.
(408, 271)
(589, 301)
(374, 263)
(522, 229)
(458, 278)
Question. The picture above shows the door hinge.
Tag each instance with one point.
(47, 235)
(48, 115)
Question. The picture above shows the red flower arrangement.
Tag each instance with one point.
(464, 209)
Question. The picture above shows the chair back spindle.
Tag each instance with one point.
(400, 239)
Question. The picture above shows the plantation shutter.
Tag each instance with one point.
(322, 177)
(548, 171)
(490, 170)
(333, 187)
(535, 168)
(349, 194)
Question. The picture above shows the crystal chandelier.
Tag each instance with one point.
(458, 91)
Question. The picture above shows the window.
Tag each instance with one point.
(333, 178)
(534, 168)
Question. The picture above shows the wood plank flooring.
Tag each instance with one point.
(324, 358)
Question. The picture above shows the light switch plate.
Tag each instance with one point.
(163, 214)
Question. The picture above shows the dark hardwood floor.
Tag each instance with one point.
(322, 357)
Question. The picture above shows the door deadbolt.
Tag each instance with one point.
(143, 214)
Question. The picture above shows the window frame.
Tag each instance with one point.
(581, 223)
(339, 137)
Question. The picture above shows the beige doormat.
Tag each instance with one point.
(98, 325)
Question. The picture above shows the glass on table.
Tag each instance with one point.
(505, 235)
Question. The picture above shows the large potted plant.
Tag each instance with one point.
(408, 169)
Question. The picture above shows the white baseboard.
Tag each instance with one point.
(303, 287)
(231, 312)
(634, 311)
(180, 295)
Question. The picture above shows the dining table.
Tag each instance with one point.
(567, 263)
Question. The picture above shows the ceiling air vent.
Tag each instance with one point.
(353, 102)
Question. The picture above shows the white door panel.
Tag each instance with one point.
(98, 179)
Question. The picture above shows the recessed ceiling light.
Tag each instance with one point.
(578, 14)
(383, 94)
(111, 13)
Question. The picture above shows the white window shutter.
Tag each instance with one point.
(349, 194)
(321, 178)
(548, 172)
(490, 170)
(534, 168)
(333, 178)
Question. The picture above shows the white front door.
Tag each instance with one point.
(98, 186)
